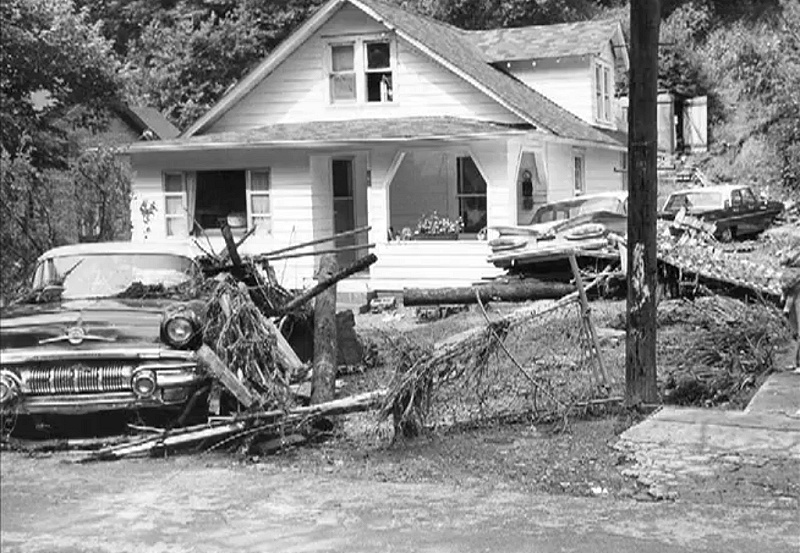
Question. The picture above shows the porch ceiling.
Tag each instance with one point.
(330, 133)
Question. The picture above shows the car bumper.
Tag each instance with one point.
(87, 382)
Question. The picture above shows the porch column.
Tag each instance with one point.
(492, 159)
(384, 165)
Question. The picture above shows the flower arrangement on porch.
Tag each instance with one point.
(432, 226)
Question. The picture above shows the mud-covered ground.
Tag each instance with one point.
(487, 486)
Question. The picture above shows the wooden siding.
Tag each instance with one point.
(599, 169)
(296, 90)
(603, 170)
(300, 203)
(567, 82)
(432, 264)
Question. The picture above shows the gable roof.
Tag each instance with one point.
(144, 119)
(549, 41)
(448, 46)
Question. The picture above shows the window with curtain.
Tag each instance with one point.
(175, 211)
(342, 73)
(258, 190)
(470, 194)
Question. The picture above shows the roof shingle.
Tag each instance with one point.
(353, 130)
(453, 45)
(543, 41)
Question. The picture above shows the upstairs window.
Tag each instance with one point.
(378, 71)
(602, 92)
(343, 73)
(360, 71)
(598, 92)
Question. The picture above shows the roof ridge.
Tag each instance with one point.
(606, 20)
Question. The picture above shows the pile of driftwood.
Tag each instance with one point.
(254, 374)
(421, 372)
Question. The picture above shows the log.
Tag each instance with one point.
(324, 284)
(213, 365)
(252, 423)
(325, 350)
(314, 242)
(528, 289)
(312, 253)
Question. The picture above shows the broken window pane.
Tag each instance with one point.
(378, 55)
(379, 87)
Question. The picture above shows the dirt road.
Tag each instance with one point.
(210, 504)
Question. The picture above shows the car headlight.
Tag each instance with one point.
(9, 389)
(144, 383)
(182, 326)
(179, 331)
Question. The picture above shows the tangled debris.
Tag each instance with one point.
(726, 348)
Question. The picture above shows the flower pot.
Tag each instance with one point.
(449, 236)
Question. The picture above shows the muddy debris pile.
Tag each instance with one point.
(256, 398)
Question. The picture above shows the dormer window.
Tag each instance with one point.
(602, 93)
(361, 70)
(343, 73)
(378, 71)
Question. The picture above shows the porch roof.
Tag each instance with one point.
(330, 133)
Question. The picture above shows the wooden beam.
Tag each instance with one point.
(213, 365)
(640, 349)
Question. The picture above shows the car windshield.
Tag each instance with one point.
(699, 199)
(104, 274)
(567, 210)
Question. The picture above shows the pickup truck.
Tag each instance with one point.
(734, 209)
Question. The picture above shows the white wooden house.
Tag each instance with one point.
(371, 115)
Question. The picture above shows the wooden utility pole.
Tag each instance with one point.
(325, 347)
(640, 351)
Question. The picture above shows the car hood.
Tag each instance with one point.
(106, 323)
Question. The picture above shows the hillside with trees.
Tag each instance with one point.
(66, 63)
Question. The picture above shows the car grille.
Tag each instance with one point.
(77, 378)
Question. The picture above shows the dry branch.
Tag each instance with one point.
(251, 424)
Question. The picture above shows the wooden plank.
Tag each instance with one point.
(213, 365)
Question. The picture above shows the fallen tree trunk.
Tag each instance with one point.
(249, 424)
(523, 290)
(322, 382)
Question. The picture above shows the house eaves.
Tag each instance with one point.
(326, 134)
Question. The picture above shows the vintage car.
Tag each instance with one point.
(734, 209)
(78, 344)
(578, 218)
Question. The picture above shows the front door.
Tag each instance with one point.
(344, 213)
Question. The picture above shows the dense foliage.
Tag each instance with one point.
(67, 63)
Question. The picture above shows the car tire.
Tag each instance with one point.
(727, 234)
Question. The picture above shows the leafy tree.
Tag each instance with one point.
(53, 61)
(184, 62)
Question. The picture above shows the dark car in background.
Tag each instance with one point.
(77, 344)
(734, 209)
